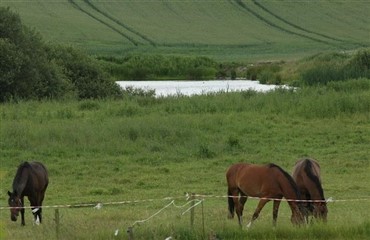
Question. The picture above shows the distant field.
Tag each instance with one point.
(224, 30)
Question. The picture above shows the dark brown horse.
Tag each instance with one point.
(31, 180)
(306, 174)
(267, 182)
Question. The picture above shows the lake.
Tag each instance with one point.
(189, 88)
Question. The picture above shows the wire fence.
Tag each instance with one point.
(191, 202)
(98, 205)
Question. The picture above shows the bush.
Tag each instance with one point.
(144, 67)
(322, 74)
(336, 67)
(26, 72)
(30, 69)
(359, 66)
(90, 81)
(266, 73)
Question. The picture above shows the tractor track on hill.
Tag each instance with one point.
(294, 25)
(243, 6)
(125, 26)
(102, 22)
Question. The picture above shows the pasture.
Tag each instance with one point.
(154, 150)
(237, 30)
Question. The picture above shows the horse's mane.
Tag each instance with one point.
(308, 170)
(290, 179)
(18, 176)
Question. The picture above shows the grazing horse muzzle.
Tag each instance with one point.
(15, 205)
(320, 211)
(13, 216)
(297, 219)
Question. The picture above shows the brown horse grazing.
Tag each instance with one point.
(266, 182)
(306, 174)
(31, 180)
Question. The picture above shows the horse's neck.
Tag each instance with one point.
(316, 171)
(20, 182)
(288, 187)
(316, 190)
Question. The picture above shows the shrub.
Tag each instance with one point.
(336, 67)
(26, 71)
(266, 73)
(359, 66)
(321, 74)
(86, 75)
(143, 67)
(30, 69)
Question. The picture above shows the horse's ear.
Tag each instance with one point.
(9, 193)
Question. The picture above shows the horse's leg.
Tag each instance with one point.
(242, 200)
(35, 209)
(22, 212)
(275, 211)
(38, 213)
(42, 195)
(234, 204)
(256, 213)
(231, 194)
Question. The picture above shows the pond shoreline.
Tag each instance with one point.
(190, 88)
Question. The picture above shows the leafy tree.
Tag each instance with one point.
(84, 72)
(25, 70)
(31, 69)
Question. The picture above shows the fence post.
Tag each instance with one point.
(56, 219)
(192, 210)
(204, 231)
(130, 233)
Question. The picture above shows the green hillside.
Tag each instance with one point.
(225, 30)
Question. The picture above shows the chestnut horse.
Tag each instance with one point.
(31, 180)
(306, 174)
(267, 182)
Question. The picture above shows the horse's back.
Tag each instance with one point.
(304, 165)
(40, 175)
(232, 173)
(306, 174)
(250, 178)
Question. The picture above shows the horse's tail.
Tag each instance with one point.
(231, 204)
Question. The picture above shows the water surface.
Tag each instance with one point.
(189, 88)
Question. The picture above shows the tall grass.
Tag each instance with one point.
(146, 148)
(151, 67)
(329, 69)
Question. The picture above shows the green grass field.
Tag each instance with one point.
(137, 154)
(149, 149)
(235, 30)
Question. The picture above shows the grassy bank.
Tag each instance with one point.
(146, 149)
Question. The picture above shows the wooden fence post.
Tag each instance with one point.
(130, 233)
(204, 231)
(56, 219)
(192, 210)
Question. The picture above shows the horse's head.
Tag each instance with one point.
(15, 204)
(320, 211)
